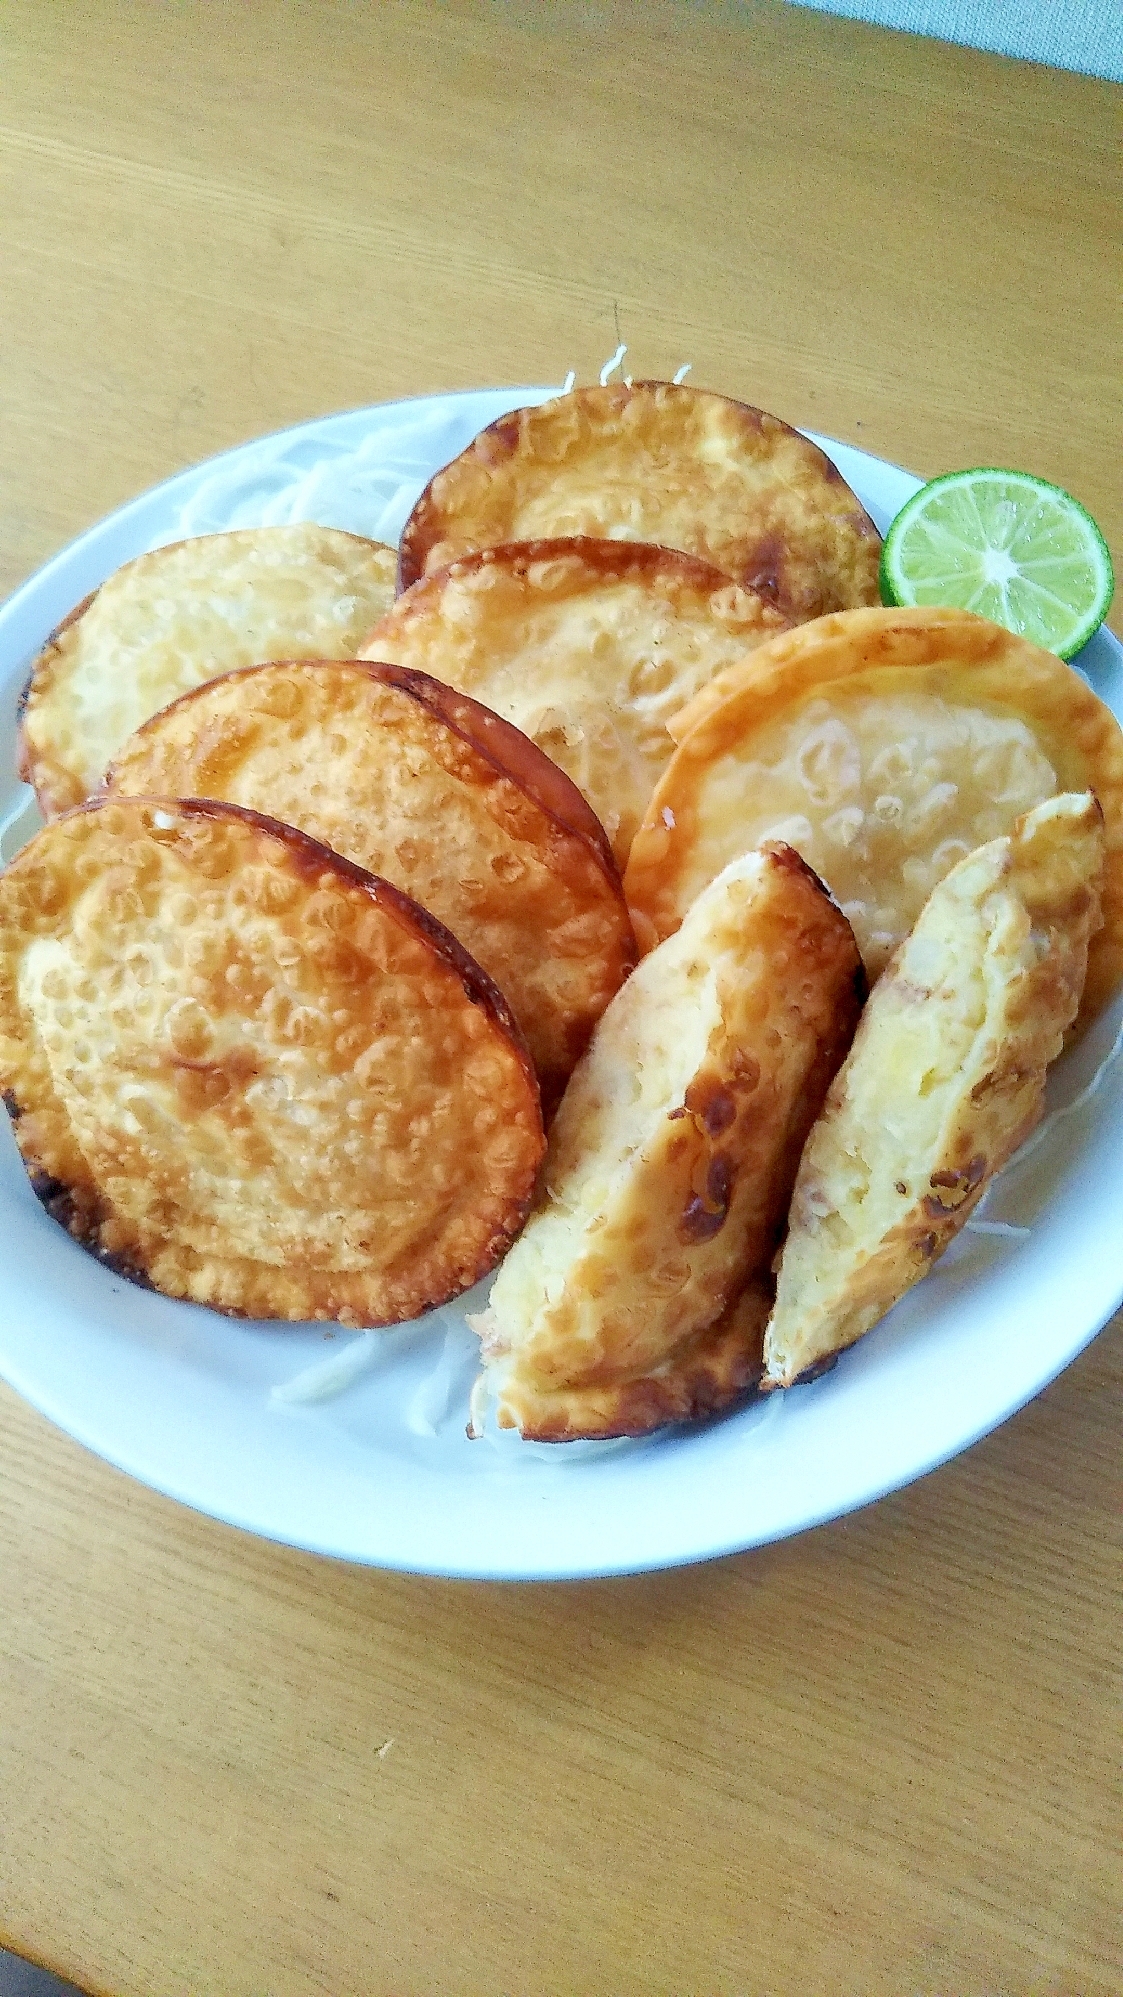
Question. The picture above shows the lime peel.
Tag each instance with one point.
(1006, 545)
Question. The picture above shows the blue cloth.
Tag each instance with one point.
(1085, 35)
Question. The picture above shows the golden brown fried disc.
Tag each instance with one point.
(884, 745)
(253, 1074)
(173, 618)
(427, 788)
(945, 1079)
(671, 1163)
(589, 647)
(657, 462)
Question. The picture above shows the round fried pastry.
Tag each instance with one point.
(253, 1074)
(671, 1162)
(589, 647)
(946, 1077)
(175, 617)
(423, 786)
(664, 463)
(884, 745)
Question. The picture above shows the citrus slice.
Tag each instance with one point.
(1007, 546)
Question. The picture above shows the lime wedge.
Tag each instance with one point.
(1013, 548)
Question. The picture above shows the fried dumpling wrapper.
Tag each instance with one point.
(946, 1077)
(670, 1166)
(884, 745)
(251, 1074)
(173, 618)
(713, 1370)
(665, 463)
(427, 788)
(589, 647)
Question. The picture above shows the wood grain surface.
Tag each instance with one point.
(883, 1757)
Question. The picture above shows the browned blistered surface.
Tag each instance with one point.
(171, 619)
(885, 745)
(945, 1079)
(672, 1158)
(882, 1757)
(590, 647)
(675, 465)
(367, 762)
(254, 1073)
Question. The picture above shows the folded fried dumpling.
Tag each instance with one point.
(670, 1166)
(945, 1079)
(706, 1374)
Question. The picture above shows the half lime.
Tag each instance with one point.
(1013, 548)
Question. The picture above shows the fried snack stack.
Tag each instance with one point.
(885, 745)
(283, 1004)
(586, 562)
(662, 463)
(945, 1079)
(671, 1162)
(168, 620)
(430, 790)
(589, 647)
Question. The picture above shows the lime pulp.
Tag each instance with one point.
(1007, 546)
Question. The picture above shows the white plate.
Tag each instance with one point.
(384, 1473)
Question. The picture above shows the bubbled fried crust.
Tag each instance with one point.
(588, 646)
(945, 1079)
(717, 1368)
(672, 1158)
(983, 725)
(425, 787)
(252, 1073)
(668, 464)
(173, 618)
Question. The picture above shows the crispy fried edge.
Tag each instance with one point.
(83, 1210)
(715, 1352)
(40, 769)
(717, 1368)
(504, 749)
(604, 560)
(499, 743)
(501, 440)
(417, 612)
(982, 1131)
(511, 753)
(1077, 731)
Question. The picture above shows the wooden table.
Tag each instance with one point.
(879, 1758)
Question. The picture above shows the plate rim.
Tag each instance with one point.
(15, 617)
